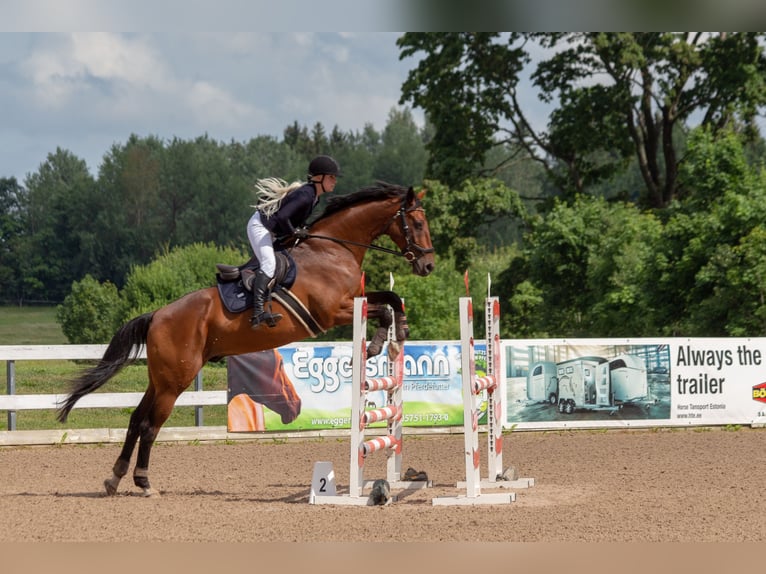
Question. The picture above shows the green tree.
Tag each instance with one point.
(457, 217)
(402, 156)
(90, 312)
(60, 242)
(582, 272)
(462, 83)
(220, 200)
(12, 221)
(614, 96)
(131, 216)
(708, 267)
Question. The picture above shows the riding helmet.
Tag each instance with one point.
(324, 165)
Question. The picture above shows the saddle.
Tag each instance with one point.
(235, 289)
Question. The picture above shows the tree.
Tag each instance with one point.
(457, 217)
(708, 268)
(618, 95)
(402, 156)
(173, 274)
(220, 198)
(60, 243)
(582, 272)
(90, 312)
(131, 215)
(12, 216)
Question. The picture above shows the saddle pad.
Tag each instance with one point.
(236, 298)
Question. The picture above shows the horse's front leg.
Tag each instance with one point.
(385, 318)
(380, 302)
(393, 300)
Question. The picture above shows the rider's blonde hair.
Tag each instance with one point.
(270, 192)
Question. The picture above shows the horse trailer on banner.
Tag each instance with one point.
(577, 383)
(627, 378)
(598, 383)
(542, 382)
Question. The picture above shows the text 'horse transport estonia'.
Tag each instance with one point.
(183, 335)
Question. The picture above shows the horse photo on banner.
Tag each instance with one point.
(257, 380)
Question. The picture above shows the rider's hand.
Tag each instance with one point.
(301, 233)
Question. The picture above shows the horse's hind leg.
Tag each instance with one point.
(122, 464)
(150, 427)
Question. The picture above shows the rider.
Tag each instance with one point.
(282, 209)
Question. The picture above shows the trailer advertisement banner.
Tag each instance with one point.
(588, 383)
(602, 383)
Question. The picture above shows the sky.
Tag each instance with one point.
(181, 68)
(84, 92)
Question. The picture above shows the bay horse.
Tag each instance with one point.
(186, 333)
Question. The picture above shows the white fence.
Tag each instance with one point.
(12, 402)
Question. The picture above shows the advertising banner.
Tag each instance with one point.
(583, 383)
(603, 383)
(320, 374)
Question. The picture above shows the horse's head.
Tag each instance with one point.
(409, 230)
(358, 219)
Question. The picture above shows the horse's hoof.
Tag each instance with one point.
(374, 350)
(150, 493)
(111, 489)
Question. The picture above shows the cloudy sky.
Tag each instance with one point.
(191, 75)
(85, 91)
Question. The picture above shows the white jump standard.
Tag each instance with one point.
(473, 386)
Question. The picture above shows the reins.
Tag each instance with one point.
(349, 242)
(410, 248)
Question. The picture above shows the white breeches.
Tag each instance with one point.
(262, 242)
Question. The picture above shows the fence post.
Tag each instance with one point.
(198, 410)
(10, 373)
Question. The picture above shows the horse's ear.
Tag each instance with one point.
(413, 197)
(422, 194)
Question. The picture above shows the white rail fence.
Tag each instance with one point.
(12, 402)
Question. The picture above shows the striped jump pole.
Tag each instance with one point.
(473, 388)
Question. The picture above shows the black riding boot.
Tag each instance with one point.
(260, 284)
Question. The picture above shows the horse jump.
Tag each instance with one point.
(391, 441)
(473, 386)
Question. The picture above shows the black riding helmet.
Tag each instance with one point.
(324, 165)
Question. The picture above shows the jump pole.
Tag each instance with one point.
(473, 386)
(391, 440)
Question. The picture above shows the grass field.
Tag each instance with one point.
(30, 326)
(37, 326)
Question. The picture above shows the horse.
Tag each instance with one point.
(183, 335)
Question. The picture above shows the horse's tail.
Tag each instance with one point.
(123, 349)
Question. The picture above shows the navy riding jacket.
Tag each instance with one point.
(293, 212)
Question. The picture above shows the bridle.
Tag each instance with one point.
(411, 252)
(411, 248)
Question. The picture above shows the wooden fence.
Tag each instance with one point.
(12, 402)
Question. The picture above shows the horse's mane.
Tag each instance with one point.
(381, 190)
